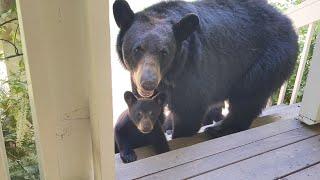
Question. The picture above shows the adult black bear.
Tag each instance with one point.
(200, 53)
(140, 126)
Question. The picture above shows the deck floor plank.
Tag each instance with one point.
(269, 115)
(226, 158)
(177, 157)
(310, 173)
(271, 165)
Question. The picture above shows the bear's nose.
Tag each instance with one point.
(148, 85)
(145, 126)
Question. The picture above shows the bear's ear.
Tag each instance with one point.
(159, 98)
(129, 98)
(123, 14)
(185, 27)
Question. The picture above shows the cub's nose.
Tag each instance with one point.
(145, 126)
(149, 85)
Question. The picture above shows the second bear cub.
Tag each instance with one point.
(140, 125)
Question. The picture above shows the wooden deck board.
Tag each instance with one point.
(271, 165)
(283, 149)
(269, 115)
(181, 156)
(231, 156)
(310, 173)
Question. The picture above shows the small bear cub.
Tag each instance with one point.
(140, 125)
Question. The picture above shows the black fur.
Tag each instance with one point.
(128, 137)
(241, 50)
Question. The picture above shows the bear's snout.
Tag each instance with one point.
(149, 85)
(147, 77)
(145, 126)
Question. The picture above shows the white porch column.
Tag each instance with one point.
(4, 170)
(100, 89)
(57, 56)
(310, 108)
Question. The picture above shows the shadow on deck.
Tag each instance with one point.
(277, 146)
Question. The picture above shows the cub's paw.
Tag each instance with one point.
(218, 130)
(128, 156)
(213, 132)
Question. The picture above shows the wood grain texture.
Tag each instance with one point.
(181, 156)
(269, 115)
(271, 165)
(235, 155)
(311, 173)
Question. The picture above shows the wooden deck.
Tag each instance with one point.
(278, 147)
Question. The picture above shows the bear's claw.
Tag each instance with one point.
(128, 156)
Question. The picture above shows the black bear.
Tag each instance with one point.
(203, 52)
(140, 125)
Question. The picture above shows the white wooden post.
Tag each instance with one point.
(282, 93)
(56, 52)
(310, 108)
(305, 13)
(100, 89)
(302, 63)
(4, 170)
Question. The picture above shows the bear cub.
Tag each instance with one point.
(140, 126)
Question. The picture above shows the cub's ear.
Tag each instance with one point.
(129, 98)
(160, 98)
(185, 27)
(123, 14)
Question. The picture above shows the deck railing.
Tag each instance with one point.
(77, 156)
(306, 14)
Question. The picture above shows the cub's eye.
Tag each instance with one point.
(138, 49)
(150, 113)
(139, 115)
(164, 52)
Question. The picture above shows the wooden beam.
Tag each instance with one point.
(4, 170)
(54, 38)
(310, 107)
(305, 13)
(100, 89)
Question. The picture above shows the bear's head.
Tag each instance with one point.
(148, 43)
(144, 112)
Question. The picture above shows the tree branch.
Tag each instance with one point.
(12, 56)
(9, 21)
(15, 47)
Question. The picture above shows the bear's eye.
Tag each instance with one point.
(138, 49)
(150, 113)
(139, 115)
(164, 52)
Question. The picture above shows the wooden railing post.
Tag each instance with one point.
(4, 170)
(302, 63)
(282, 93)
(310, 109)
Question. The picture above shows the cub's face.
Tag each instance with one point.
(147, 44)
(144, 112)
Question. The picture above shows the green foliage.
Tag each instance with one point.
(282, 6)
(15, 112)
